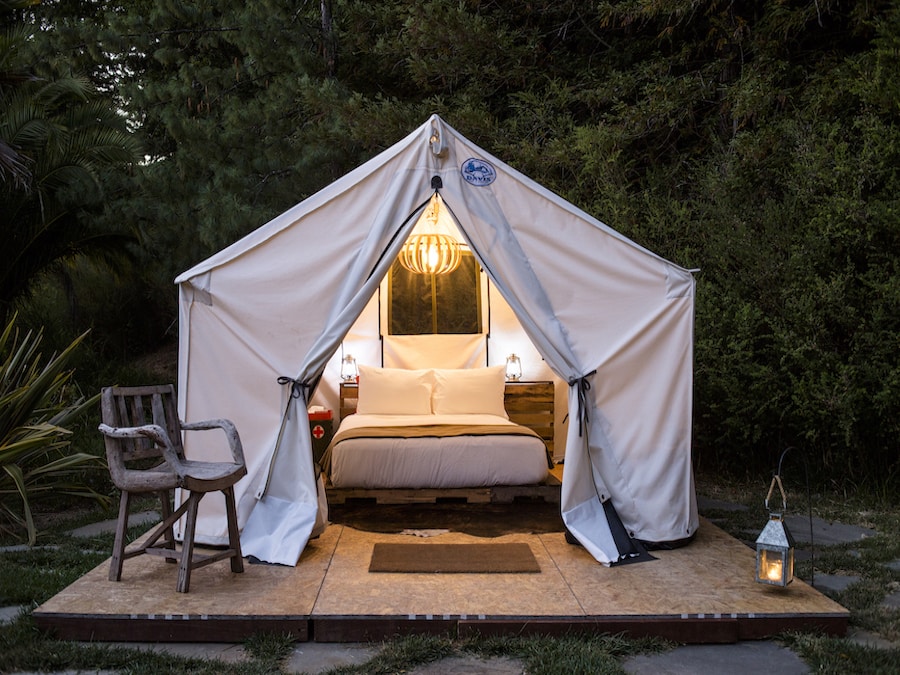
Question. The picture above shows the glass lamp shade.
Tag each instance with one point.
(349, 371)
(775, 553)
(513, 368)
(430, 254)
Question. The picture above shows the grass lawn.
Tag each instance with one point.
(29, 577)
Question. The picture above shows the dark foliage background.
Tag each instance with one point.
(756, 141)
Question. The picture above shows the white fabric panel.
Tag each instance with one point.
(279, 301)
(435, 351)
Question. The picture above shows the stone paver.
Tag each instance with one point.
(742, 658)
(15, 548)
(891, 601)
(471, 665)
(834, 582)
(10, 614)
(223, 651)
(104, 526)
(867, 639)
(318, 657)
(825, 533)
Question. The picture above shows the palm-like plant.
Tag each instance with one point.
(57, 140)
(36, 408)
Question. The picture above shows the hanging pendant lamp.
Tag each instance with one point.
(430, 252)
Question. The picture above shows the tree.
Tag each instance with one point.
(754, 140)
(64, 139)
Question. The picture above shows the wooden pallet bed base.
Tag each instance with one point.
(500, 494)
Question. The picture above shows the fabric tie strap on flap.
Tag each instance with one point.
(298, 388)
(584, 386)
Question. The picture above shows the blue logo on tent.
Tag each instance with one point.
(478, 172)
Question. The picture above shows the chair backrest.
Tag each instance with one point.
(134, 407)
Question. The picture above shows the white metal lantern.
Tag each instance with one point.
(775, 546)
(349, 371)
(513, 368)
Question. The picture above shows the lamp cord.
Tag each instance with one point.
(812, 541)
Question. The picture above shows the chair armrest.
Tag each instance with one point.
(154, 432)
(231, 433)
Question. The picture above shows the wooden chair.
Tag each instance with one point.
(145, 455)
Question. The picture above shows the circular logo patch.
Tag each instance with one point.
(478, 172)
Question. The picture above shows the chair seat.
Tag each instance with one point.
(211, 476)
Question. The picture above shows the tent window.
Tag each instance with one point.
(420, 304)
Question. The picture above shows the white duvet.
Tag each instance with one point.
(449, 462)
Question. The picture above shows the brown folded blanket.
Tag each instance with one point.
(428, 431)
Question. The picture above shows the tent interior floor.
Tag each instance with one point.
(701, 593)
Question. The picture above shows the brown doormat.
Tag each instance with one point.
(454, 558)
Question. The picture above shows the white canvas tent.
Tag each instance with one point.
(260, 319)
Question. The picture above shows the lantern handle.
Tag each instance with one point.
(777, 479)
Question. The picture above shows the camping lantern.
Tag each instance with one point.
(775, 546)
(513, 368)
(349, 371)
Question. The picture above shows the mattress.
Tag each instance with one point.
(484, 450)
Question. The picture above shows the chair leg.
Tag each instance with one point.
(234, 537)
(118, 555)
(187, 546)
(165, 506)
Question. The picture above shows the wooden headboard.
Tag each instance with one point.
(530, 404)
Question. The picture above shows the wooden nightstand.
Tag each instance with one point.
(531, 404)
(349, 394)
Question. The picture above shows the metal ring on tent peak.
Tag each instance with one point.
(584, 386)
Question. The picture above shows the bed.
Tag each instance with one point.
(433, 429)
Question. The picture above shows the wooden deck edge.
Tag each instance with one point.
(687, 630)
(712, 629)
(84, 628)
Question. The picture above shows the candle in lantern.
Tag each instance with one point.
(773, 570)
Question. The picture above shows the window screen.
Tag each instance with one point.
(421, 304)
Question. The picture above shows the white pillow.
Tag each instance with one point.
(469, 391)
(394, 391)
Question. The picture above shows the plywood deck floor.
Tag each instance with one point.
(700, 593)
